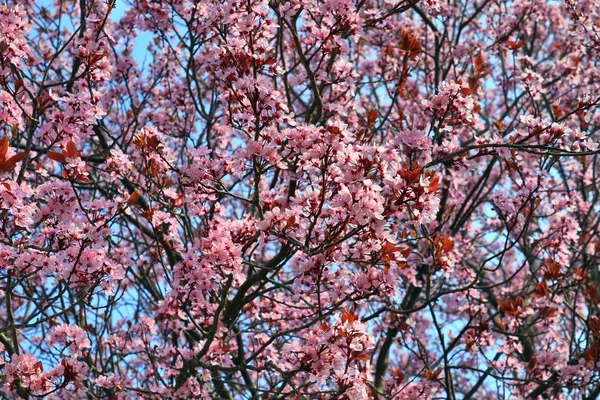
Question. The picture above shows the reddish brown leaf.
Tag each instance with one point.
(270, 60)
(362, 357)
(433, 376)
(411, 176)
(397, 374)
(38, 366)
(434, 184)
(552, 271)
(532, 362)
(348, 316)
(594, 325)
(388, 250)
(56, 157)
(71, 150)
(515, 46)
(479, 63)
(580, 275)
(444, 244)
(548, 312)
(541, 290)
(133, 198)
(512, 307)
(148, 214)
(557, 111)
(591, 353)
(82, 178)
(410, 44)
(10, 164)
(592, 293)
(372, 117)
(3, 148)
(153, 143)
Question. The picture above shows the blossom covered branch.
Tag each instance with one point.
(316, 199)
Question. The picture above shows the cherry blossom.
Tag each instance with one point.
(320, 199)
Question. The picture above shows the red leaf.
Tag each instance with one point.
(69, 373)
(348, 316)
(512, 307)
(444, 244)
(557, 111)
(592, 293)
(548, 312)
(397, 374)
(410, 44)
(541, 290)
(411, 176)
(363, 357)
(434, 184)
(56, 157)
(448, 244)
(515, 46)
(552, 271)
(479, 63)
(372, 117)
(389, 249)
(3, 148)
(591, 353)
(594, 325)
(38, 366)
(433, 376)
(153, 143)
(532, 362)
(133, 198)
(82, 178)
(71, 151)
(10, 164)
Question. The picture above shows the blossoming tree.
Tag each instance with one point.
(309, 199)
